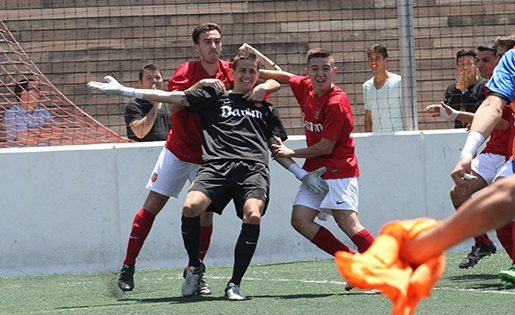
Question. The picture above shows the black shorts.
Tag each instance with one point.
(222, 181)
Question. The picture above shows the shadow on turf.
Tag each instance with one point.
(476, 281)
(204, 298)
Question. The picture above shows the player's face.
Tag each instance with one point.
(486, 62)
(466, 65)
(500, 52)
(209, 47)
(377, 62)
(152, 79)
(321, 71)
(245, 76)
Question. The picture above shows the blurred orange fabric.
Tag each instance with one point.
(381, 267)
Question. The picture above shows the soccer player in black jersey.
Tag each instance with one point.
(236, 135)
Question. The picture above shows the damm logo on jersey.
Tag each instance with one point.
(228, 111)
(313, 127)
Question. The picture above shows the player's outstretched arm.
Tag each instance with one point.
(489, 209)
(113, 87)
(313, 180)
(282, 77)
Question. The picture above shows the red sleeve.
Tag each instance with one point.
(338, 120)
(180, 80)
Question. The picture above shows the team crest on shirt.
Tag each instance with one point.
(154, 177)
(317, 113)
(258, 104)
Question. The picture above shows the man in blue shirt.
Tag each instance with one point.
(28, 123)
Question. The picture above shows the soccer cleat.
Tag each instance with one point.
(476, 254)
(203, 287)
(126, 280)
(191, 282)
(233, 293)
(508, 276)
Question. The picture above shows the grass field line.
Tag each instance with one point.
(508, 292)
(287, 280)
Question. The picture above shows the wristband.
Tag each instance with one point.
(130, 92)
(299, 172)
(452, 116)
(474, 140)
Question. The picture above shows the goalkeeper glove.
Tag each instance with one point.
(113, 87)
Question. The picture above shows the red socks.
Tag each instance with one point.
(140, 228)
(505, 236)
(482, 240)
(363, 239)
(205, 240)
(326, 241)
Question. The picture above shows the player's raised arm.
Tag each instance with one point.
(113, 87)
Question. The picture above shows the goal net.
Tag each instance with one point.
(54, 121)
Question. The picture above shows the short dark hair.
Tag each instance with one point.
(377, 48)
(465, 52)
(505, 41)
(319, 53)
(244, 55)
(23, 85)
(204, 28)
(488, 46)
(149, 67)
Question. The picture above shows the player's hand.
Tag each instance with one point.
(216, 83)
(112, 86)
(461, 175)
(256, 95)
(280, 150)
(315, 183)
(246, 47)
(443, 111)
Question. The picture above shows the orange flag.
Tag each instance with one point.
(381, 267)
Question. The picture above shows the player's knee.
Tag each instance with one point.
(252, 218)
(191, 210)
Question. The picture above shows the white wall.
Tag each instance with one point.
(70, 209)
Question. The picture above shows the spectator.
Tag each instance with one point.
(467, 93)
(148, 121)
(382, 94)
(28, 123)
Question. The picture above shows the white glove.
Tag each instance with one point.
(315, 183)
(113, 87)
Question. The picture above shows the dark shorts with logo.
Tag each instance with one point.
(222, 181)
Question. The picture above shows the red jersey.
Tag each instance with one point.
(185, 137)
(500, 139)
(330, 117)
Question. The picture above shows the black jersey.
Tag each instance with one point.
(232, 127)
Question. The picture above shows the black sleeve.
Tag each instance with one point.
(133, 111)
(198, 98)
(275, 125)
(502, 97)
(449, 98)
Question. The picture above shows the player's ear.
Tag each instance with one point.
(196, 47)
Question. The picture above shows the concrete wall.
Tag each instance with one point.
(70, 209)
